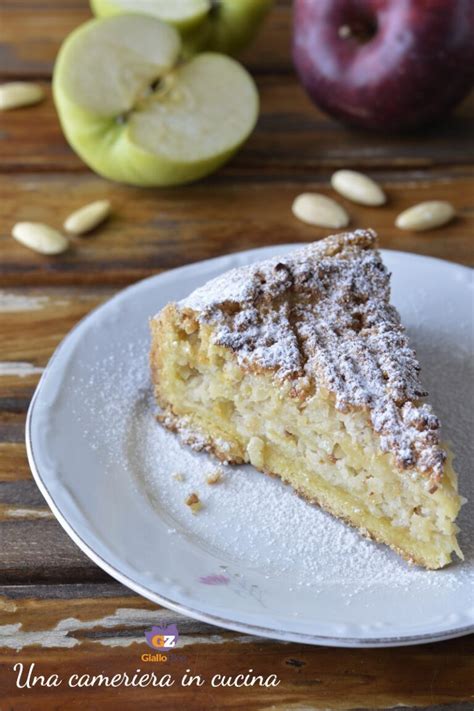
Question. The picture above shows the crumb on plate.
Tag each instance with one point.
(194, 502)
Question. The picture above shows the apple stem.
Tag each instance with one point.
(214, 7)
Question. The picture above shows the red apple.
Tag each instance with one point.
(385, 64)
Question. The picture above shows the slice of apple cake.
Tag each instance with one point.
(300, 366)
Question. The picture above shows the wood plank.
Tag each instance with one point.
(62, 591)
(13, 462)
(37, 550)
(32, 32)
(292, 139)
(22, 493)
(12, 426)
(106, 634)
(45, 317)
(152, 230)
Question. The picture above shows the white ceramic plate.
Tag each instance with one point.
(256, 558)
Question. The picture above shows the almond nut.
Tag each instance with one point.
(19, 93)
(426, 216)
(40, 238)
(358, 187)
(87, 217)
(319, 210)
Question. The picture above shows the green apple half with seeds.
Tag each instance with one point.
(137, 114)
(218, 25)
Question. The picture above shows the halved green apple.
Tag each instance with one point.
(137, 114)
(218, 25)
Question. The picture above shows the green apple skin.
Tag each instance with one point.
(230, 27)
(192, 18)
(227, 27)
(106, 146)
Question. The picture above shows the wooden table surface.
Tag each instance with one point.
(57, 609)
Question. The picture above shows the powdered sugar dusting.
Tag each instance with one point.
(249, 520)
(323, 313)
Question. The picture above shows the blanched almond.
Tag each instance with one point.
(319, 210)
(358, 187)
(87, 217)
(426, 216)
(19, 93)
(40, 238)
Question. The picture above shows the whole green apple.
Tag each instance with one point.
(137, 114)
(218, 25)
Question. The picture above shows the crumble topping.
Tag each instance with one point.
(194, 502)
(215, 477)
(323, 313)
